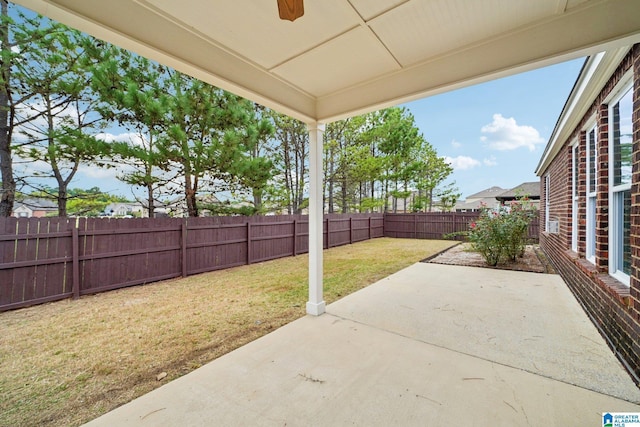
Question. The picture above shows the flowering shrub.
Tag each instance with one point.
(500, 234)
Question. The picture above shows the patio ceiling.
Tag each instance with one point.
(346, 57)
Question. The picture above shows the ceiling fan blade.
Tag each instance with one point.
(290, 9)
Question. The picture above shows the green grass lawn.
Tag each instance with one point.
(68, 362)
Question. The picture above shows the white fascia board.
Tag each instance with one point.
(594, 75)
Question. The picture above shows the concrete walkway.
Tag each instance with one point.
(430, 345)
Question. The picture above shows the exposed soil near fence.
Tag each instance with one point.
(533, 260)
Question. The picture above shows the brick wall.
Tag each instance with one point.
(613, 306)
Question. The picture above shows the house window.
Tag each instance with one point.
(574, 198)
(620, 128)
(547, 189)
(592, 170)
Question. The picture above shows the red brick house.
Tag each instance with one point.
(590, 197)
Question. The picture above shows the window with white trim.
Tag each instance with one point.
(620, 151)
(574, 197)
(592, 187)
(547, 189)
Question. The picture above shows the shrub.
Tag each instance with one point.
(500, 234)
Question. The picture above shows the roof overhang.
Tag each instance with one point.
(347, 57)
(595, 73)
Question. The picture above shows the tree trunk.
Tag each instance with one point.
(345, 204)
(288, 178)
(373, 192)
(190, 196)
(8, 190)
(386, 195)
(53, 159)
(257, 200)
(62, 200)
(301, 173)
(330, 181)
(430, 199)
(192, 207)
(150, 200)
(406, 198)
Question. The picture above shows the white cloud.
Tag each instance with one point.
(100, 172)
(462, 162)
(455, 144)
(130, 137)
(39, 126)
(28, 167)
(491, 161)
(505, 134)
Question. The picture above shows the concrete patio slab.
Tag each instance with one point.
(377, 358)
(529, 321)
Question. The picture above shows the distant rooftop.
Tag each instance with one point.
(529, 189)
(37, 203)
(476, 204)
(489, 192)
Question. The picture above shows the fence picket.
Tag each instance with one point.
(45, 259)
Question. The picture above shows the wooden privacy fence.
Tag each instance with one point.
(48, 259)
(438, 225)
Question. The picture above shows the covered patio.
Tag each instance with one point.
(430, 345)
(342, 58)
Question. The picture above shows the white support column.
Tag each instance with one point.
(315, 305)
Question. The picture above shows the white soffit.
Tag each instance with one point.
(369, 9)
(346, 57)
(338, 64)
(432, 28)
(245, 27)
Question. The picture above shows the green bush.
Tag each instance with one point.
(500, 234)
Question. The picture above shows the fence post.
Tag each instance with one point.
(295, 237)
(455, 222)
(369, 230)
(350, 230)
(75, 249)
(248, 242)
(328, 233)
(415, 225)
(183, 247)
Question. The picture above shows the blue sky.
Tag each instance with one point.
(494, 133)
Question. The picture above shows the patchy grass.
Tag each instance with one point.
(68, 362)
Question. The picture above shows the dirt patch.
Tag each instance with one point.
(533, 260)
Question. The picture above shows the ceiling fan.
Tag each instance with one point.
(290, 9)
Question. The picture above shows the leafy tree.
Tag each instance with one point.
(23, 35)
(400, 143)
(8, 190)
(254, 169)
(91, 202)
(199, 133)
(210, 132)
(133, 96)
(449, 196)
(348, 163)
(50, 104)
(379, 158)
(291, 154)
(430, 171)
